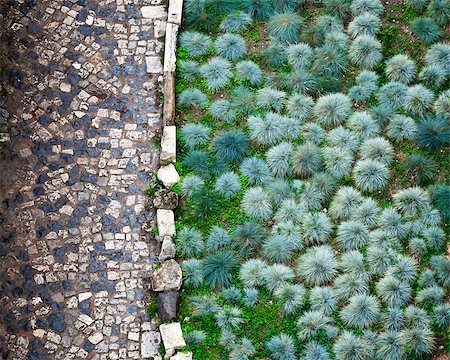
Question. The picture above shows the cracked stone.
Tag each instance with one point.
(168, 249)
(167, 277)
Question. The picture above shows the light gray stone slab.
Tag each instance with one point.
(172, 336)
(168, 175)
(168, 277)
(165, 220)
(150, 341)
(168, 145)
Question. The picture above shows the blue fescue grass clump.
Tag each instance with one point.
(306, 160)
(258, 9)
(438, 55)
(228, 184)
(401, 68)
(367, 213)
(229, 317)
(338, 8)
(417, 5)
(441, 266)
(330, 60)
(190, 242)
(249, 71)
(439, 11)
(249, 236)
(217, 72)
(189, 69)
(193, 272)
(332, 110)
(441, 315)
(217, 239)
(315, 351)
(291, 296)
(243, 350)
(426, 30)
(277, 250)
(276, 275)
(288, 5)
(256, 171)
(218, 267)
(364, 24)
(433, 76)
(299, 107)
(393, 292)
(440, 198)
(250, 297)
(285, 27)
(392, 95)
(231, 46)
(338, 161)
(275, 55)
(390, 345)
(370, 175)
(402, 128)
(365, 51)
(231, 146)
(366, 86)
(223, 110)
(323, 299)
(418, 100)
(352, 235)
(316, 227)
(193, 98)
(256, 204)
(433, 133)
(203, 305)
(313, 323)
(270, 99)
(191, 184)
(345, 201)
(411, 202)
(377, 148)
(341, 137)
(235, 22)
(196, 43)
(442, 105)
(282, 347)
(278, 159)
(373, 7)
(266, 130)
(195, 134)
(300, 55)
(364, 125)
(318, 266)
(195, 337)
(362, 311)
(352, 347)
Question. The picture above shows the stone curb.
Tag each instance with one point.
(167, 280)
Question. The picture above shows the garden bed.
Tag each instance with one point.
(313, 155)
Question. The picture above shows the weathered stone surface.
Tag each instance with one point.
(175, 11)
(172, 336)
(166, 222)
(170, 57)
(168, 249)
(168, 175)
(153, 64)
(153, 12)
(167, 305)
(167, 277)
(182, 356)
(150, 341)
(165, 199)
(168, 145)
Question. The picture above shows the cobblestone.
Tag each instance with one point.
(80, 82)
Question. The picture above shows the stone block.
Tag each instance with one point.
(172, 336)
(182, 356)
(168, 249)
(168, 175)
(153, 64)
(175, 11)
(168, 145)
(167, 305)
(165, 220)
(153, 12)
(150, 341)
(168, 277)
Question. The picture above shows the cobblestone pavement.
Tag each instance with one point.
(80, 99)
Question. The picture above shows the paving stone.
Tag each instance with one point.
(166, 222)
(172, 336)
(167, 277)
(168, 249)
(168, 145)
(150, 341)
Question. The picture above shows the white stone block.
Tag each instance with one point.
(168, 175)
(153, 12)
(172, 336)
(150, 341)
(168, 145)
(165, 220)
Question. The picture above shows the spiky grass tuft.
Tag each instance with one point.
(441, 316)
(351, 347)
(191, 184)
(243, 350)
(218, 267)
(195, 134)
(217, 72)
(318, 265)
(332, 110)
(370, 175)
(434, 133)
(203, 305)
(350, 284)
(338, 161)
(232, 146)
(315, 351)
(190, 242)
(193, 98)
(285, 27)
(195, 337)
(256, 204)
(442, 104)
(346, 200)
(418, 342)
(405, 268)
(430, 295)
(291, 296)
(300, 56)
(279, 159)
(229, 317)
(231, 46)
(316, 227)
(417, 5)
(401, 68)
(276, 275)
(426, 30)
(411, 202)
(249, 71)
(270, 99)
(367, 213)
(339, 8)
(193, 272)
(252, 271)
(391, 223)
(299, 107)
(364, 24)
(313, 323)
(275, 55)
(441, 267)
(250, 297)
(438, 54)
(189, 69)
(313, 133)
(196, 44)
(390, 345)
(378, 149)
(276, 249)
(218, 238)
(282, 347)
(393, 292)
(306, 160)
(266, 130)
(343, 138)
(258, 9)
(256, 171)
(402, 128)
(373, 7)
(365, 51)
(228, 184)
(323, 299)
(363, 125)
(418, 100)
(235, 22)
(223, 110)
(392, 96)
(330, 60)
(439, 10)
(440, 198)
(352, 235)
(362, 311)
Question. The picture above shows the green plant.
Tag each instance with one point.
(217, 72)
(285, 27)
(426, 30)
(196, 44)
(231, 46)
(282, 347)
(365, 51)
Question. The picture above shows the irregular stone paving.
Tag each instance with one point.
(80, 83)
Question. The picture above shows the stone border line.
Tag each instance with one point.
(167, 279)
